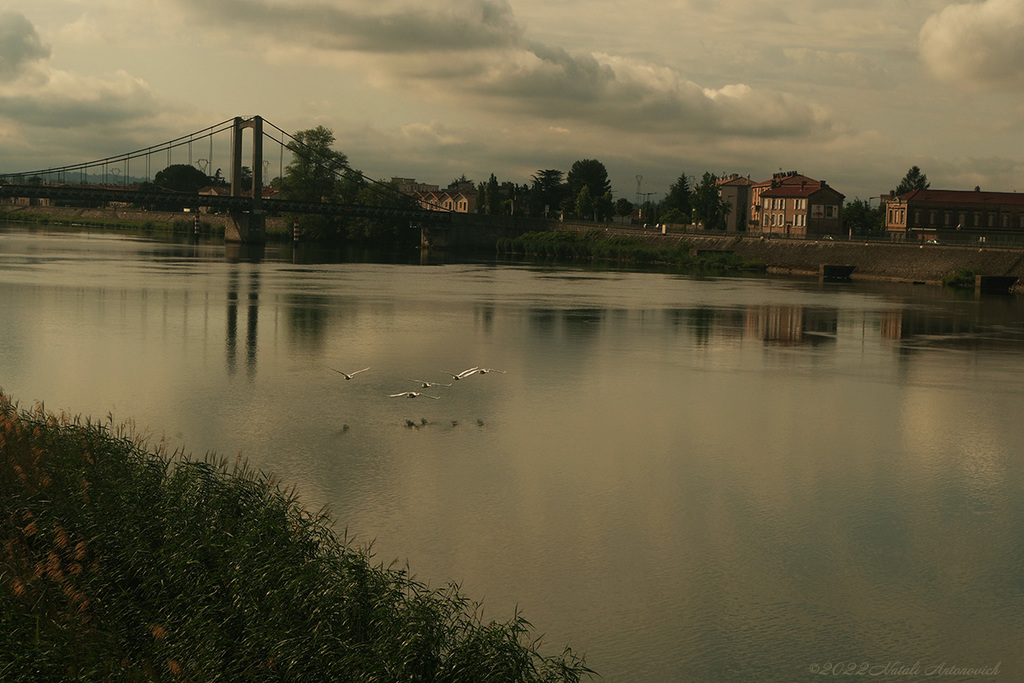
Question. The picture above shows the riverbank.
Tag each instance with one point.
(131, 218)
(125, 563)
(871, 260)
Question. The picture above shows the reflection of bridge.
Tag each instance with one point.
(247, 206)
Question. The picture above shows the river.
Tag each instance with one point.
(685, 478)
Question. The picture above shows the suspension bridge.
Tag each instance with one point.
(111, 180)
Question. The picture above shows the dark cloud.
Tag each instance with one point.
(19, 45)
(452, 26)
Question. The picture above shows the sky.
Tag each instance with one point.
(854, 93)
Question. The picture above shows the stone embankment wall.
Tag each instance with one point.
(66, 213)
(875, 260)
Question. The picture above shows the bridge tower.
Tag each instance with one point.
(247, 226)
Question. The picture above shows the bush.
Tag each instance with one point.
(961, 279)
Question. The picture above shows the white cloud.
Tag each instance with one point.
(977, 44)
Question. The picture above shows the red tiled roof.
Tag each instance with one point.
(805, 190)
(962, 197)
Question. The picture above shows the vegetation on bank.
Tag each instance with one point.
(594, 246)
(961, 279)
(124, 563)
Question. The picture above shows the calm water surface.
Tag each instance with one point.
(688, 479)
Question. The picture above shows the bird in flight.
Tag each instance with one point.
(426, 385)
(348, 375)
(486, 370)
(412, 394)
(465, 373)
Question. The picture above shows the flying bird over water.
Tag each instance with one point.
(348, 375)
(426, 385)
(412, 394)
(464, 374)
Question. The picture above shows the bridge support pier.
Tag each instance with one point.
(248, 227)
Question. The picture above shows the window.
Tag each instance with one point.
(931, 217)
(831, 211)
(948, 218)
(991, 220)
(1006, 220)
(977, 219)
(963, 220)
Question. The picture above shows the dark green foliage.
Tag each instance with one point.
(962, 279)
(181, 178)
(547, 192)
(914, 180)
(679, 200)
(708, 206)
(124, 564)
(589, 173)
(862, 218)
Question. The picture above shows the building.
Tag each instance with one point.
(793, 205)
(736, 192)
(458, 197)
(954, 215)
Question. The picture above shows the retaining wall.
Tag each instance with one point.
(875, 260)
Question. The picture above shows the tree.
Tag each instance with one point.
(589, 172)
(708, 206)
(547, 192)
(604, 207)
(861, 218)
(914, 180)
(680, 199)
(315, 169)
(493, 198)
(623, 207)
(584, 203)
(181, 178)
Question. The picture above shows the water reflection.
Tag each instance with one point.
(715, 480)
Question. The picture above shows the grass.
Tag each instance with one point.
(594, 246)
(122, 562)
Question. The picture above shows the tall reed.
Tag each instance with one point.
(123, 562)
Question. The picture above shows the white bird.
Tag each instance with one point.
(426, 385)
(412, 394)
(486, 370)
(464, 374)
(348, 375)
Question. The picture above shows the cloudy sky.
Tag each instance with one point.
(851, 92)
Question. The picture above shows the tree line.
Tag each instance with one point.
(318, 172)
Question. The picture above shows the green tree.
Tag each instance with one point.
(680, 199)
(861, 218)
(181, 178)
(604, 207)
(592, 174)
(914, 180)
(708, 206)
(547, 192)
(623, 207)
(313, 174)
(584, 203)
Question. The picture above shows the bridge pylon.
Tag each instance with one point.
(247, 226)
